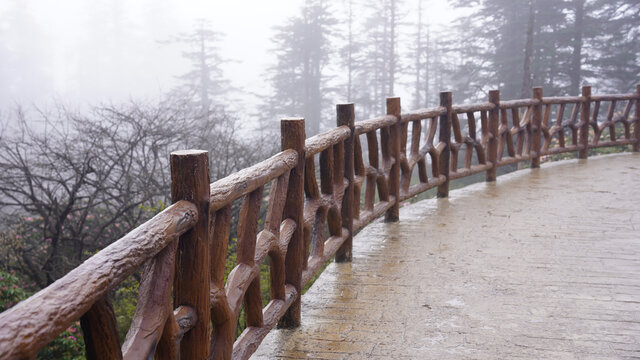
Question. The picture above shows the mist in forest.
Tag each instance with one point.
(95, 95)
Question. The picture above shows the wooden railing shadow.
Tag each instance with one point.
(185, 307)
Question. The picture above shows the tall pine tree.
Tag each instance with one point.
(299, 79)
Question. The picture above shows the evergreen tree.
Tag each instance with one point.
(298, 79)
(204, 83)
(378, 69)
(612, 40)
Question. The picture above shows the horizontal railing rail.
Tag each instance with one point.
(321, 190)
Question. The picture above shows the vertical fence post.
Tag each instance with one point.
(445, 137)
(101, 332)
(536, 127)
(293, 137)
(494, 133)
(190, 181)
(585, 111)
(636, 127)
(394, 108)
(346, 117)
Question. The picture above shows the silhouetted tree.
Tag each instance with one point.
(299, 79)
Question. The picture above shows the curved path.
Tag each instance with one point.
(544, 263)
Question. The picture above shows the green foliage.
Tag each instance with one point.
(69, 345)
(10, 291)
(124, 304)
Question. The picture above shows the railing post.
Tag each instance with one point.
(100, 332)
(536, 127)
(190, 181)
(394, 108)
(293, 137)
(346, 117)
(445, 137)
(636, 127)
(585, 112)
(494, 132)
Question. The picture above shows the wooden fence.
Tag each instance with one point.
(185, 307)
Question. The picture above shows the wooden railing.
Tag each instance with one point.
(321, 190)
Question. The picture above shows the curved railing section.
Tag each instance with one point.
(298, 209)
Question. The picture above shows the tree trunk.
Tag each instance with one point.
(576, 59)
(528, 54)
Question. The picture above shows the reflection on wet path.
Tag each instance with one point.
(544, 263)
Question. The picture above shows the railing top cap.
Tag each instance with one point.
(189, 152)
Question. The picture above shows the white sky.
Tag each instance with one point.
(248, 26)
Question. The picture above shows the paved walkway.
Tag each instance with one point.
(543, 264)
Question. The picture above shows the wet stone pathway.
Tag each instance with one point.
(543, 264)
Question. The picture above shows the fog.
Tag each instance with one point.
(85, 52)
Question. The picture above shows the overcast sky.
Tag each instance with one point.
(66, 48)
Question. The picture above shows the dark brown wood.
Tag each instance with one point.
(494, 135)
(466, 108)
(613, 97)
(394, 109)
(222, 318)
(346, 117)
(445, 138)
(190, 181)
(316, 144)
(585, 110)
(511, 104)
(180, 321)
(251, 337)
(636, 126)
(536, 128)
(234, 186)
(367, 126)
(422, 114)
(562, 100)
(36, 321)
(101, 332)
(153, 307)
(293, 137)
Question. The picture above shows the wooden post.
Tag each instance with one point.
(585, 111)
(494, 133)
(445, 138)
(536, 127)
(293, 137)
(636, 127)
(394, 108)
(346, 117)
(101, 332)
(190, 181)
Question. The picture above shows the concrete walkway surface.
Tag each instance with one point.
(543, 264)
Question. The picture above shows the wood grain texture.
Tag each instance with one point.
(346, 117)
(293, 137)
(36, 321)
(461, 109)
(367, 126)
(316, 144)
(445, 138)
(511, 104)
(494, 134)
(394, 108)
(234, 186)
(190, 181)
(536, 127)
(153, 307)
(100, 332)
(585, 110)
(179, 322)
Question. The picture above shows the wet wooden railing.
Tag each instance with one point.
(320, 191)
